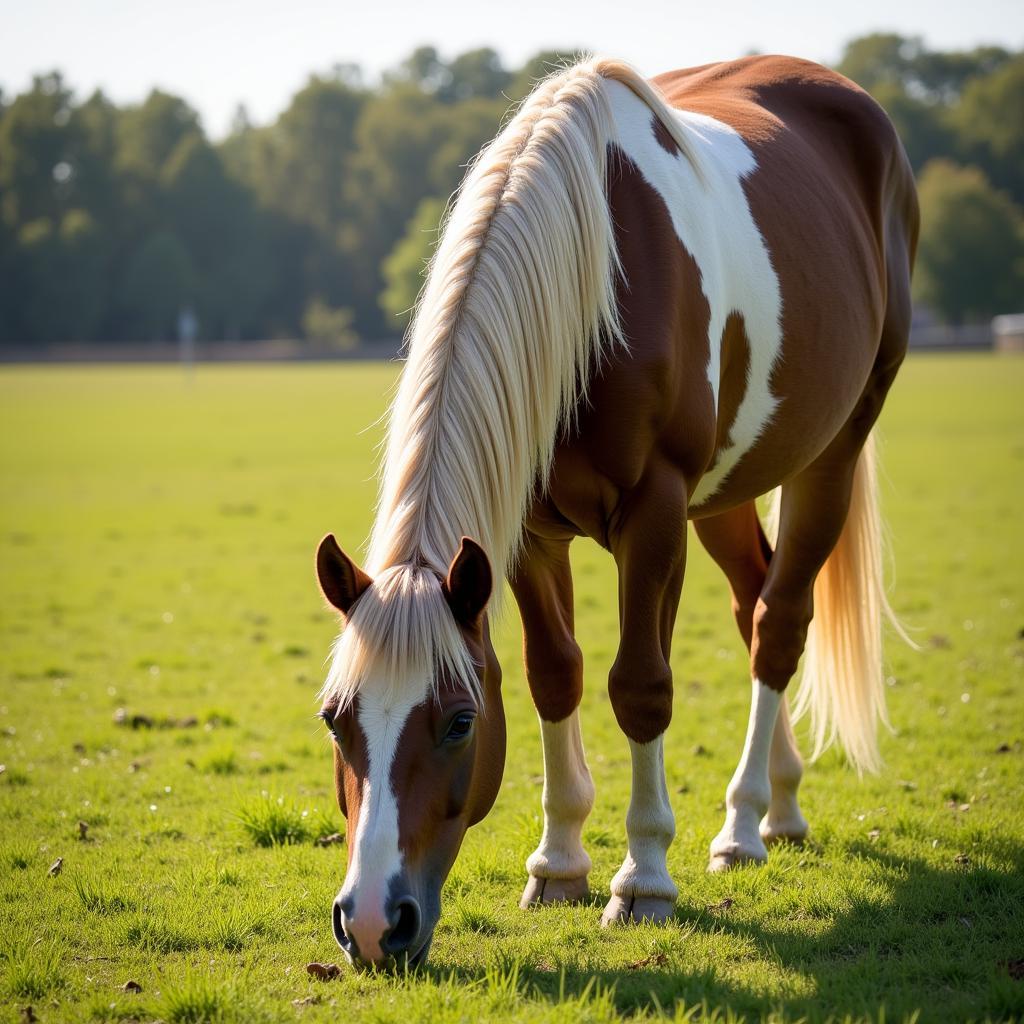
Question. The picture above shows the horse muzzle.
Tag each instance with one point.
(388, 936)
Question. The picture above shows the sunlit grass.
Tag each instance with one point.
(156, 540)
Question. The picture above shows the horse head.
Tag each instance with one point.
(413, 705)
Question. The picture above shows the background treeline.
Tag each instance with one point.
(114, 219)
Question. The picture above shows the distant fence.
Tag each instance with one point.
(1004, 333)
(205, 352)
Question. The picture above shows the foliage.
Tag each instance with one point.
(972, 244)
(329, 326)
(257, 229)
(947, 104)
(406, 264)
(156, 538)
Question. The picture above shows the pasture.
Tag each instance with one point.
(163, 640)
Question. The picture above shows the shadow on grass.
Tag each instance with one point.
(932, 940)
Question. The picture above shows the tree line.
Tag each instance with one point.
(115, 219)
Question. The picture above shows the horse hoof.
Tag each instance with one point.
(637, 909)
(773, 835)
(789, 831)
(726, 860)
(539, 891)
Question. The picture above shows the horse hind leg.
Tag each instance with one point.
(828, 520)
(784, 821)
(737, 543)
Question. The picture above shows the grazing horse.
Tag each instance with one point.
(652, 302)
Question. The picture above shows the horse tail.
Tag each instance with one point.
(842, 687)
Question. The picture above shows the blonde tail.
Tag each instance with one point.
(842, 685)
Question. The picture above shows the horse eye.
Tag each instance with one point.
(461, 726)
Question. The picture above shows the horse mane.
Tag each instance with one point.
(517, 312)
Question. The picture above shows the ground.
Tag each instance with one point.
(162, 641)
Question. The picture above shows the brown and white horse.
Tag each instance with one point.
(652, 302)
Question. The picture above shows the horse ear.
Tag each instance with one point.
(468, 586)
(341, 580)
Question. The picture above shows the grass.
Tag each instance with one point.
(162, 639)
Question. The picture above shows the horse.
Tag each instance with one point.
(652, 302)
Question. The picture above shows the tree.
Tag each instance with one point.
(475, 74)
(935, 78)
(970, 259)
(329, 325)
(989, 121)
(148, 134)
(423, 68)
(63, 276)
(159, 281)
(214, 217)
(36, 145)
(922, 127)
(406, 264)
(298, 170)
(539, 66)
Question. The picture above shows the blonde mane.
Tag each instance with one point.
(517, 312)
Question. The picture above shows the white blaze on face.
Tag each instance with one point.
(713, 221)
(376, 857)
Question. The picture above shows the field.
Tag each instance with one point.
(163, 639)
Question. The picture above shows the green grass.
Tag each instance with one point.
(156, 556)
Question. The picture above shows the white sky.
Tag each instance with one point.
(218, 53)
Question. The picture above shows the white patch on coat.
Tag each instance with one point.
(568, 798)
(650, 828)
(712, 219)
(376, 855)
(749, 792)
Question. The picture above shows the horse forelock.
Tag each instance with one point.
(400, 639)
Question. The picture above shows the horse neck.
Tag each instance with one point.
(519, 301)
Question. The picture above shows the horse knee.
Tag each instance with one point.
(556, 681)
(641, 699)
(780, 631)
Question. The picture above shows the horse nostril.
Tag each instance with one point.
(341, 936)
(405, 929)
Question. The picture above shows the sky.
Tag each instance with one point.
(220, 53)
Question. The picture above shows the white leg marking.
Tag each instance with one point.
(376, 856)
(559, 866)
(650, 828)
(568, 798)
(749, 792)
(785, 770)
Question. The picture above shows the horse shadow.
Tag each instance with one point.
(941, 942)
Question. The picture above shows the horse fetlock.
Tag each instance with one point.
(784, 822)
(552, 860)
(740, 840)
(647, 877)
(748, 794)
(571, 800)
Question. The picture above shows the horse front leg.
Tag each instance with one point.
(542, 585)
(650, 550)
